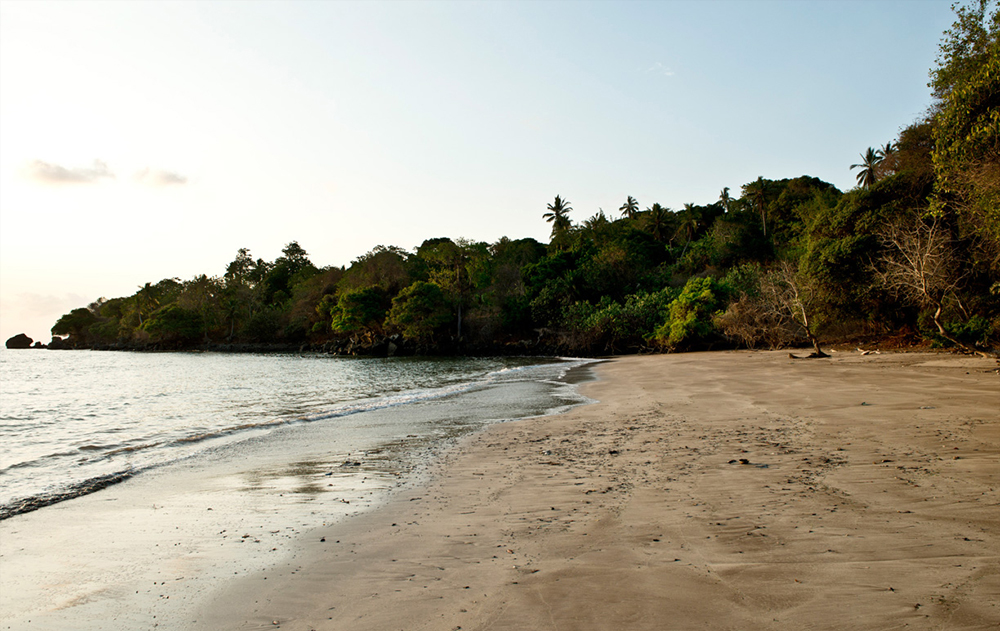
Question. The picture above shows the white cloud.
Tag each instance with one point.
(159, 177)
(55, 174)
(659, 69)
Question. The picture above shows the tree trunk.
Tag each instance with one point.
(941, 331)
(817, 351)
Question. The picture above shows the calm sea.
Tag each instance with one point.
(134, 485)
(74, 422)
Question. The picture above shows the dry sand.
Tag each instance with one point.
(704, 491)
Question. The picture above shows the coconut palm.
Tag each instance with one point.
(887, 160)
(630, 208)
(657, 220)
(145, 300)
(869, 168)
(725, 200)
(690, 221)
(756, 192)
(558, 216)
(599, 220)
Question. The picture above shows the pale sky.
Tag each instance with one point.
(149, 140)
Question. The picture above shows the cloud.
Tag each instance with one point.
(659, 69)
(47, 173)
(158, 177)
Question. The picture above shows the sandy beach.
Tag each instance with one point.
(730, 490)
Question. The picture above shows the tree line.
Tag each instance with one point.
(912, 252)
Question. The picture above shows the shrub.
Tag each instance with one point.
(690, 315)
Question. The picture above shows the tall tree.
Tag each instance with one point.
(658, 221)
(145, 301)
(966, 46)
(756, 192)
(887, 160)
(725, 200)
(869, 168)
(967, 126)
(598, 221)
(630, 208)
(447, 268)
(420, 311)
(690, 221)
(886, 151)
(920, 264)
(558, 216)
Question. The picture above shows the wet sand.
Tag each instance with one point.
(732, 490)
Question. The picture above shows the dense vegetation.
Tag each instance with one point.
(912, 252)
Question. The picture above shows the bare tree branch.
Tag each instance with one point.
(919, 265)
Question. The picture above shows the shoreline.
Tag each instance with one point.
(144, 553)
(713, 490)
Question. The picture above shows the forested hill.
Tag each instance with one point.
(913, 251)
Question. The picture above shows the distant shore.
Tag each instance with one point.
(385, 346)
(712, 490)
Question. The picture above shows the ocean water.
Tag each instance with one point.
(134, 485)
(74, 422)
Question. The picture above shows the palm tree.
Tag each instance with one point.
(657, 219)
(558, 216)
(887, 160)
(599, 220)
(145, 300)
(869, 168)
(630, 208)
(690, 221)
(725, 199)
(757, 192)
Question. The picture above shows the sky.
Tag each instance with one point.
(150, 140)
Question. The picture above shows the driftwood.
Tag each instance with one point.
(813, 355)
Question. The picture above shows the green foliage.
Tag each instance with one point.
(869, 166)
(744, 279)
(104, 331)
(173, 324)
(967, 142)
(389, 268)
(659, 221)
(613, 327)
(690, 315)
(75, 324)
(264, 326)
(975, 331)
(361, 309)
(420, 311)
(612, 271)
(792, 254)
(965, 46)
(304, 313)
(288, 270)
(558, 216)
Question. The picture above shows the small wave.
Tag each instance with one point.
(29, 504)
(357, 407)
(125, 450)
(36, 462)
(156, 450)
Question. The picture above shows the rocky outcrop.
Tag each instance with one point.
(19, 341)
